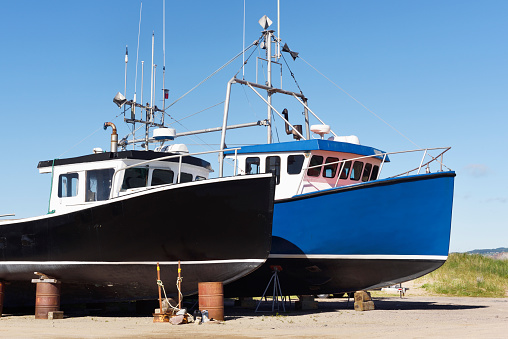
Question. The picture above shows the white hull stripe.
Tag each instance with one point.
(198, 262)
(358, 256)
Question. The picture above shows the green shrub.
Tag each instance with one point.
(471, 275)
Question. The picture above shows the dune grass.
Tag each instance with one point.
(470, 275)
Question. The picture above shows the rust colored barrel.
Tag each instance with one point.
(211, 298)
(1, 297)
(47, 299)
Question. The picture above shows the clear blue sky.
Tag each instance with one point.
(437, 71)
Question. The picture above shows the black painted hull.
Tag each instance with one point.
(109, 251)
(322, 276)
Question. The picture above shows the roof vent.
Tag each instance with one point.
(350, 139)
(176, 148)
(320, 129)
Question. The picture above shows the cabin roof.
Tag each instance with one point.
(132, 154)
(310, 145)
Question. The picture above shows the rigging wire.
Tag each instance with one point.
(292, 74)
(195, 113)
(86, 137)
(211, 75)
(377, 116)
(275, 125)
(250, 104)
(248, 58)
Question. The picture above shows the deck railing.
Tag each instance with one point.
(438, 159)
(180, 158)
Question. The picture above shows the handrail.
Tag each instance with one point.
(428, 162)
(384, 154)
(180, 156)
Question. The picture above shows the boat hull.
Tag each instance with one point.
(358, 237)
(109, 251)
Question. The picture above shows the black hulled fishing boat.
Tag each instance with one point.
(114, 215)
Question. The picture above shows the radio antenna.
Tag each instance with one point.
(133, 108)
(137, 55)
(243, 53)
(151, 76)
(126, 60)
(278, 30)
(163, 57)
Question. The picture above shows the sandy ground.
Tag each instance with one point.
(413, 316)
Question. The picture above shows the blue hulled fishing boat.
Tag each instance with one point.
(339, 225)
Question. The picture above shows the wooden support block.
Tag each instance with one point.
(306, 305)
(306, 298)
(364, 305)
(55, 315)
(246, 303)
(160, 318)
(362, 296)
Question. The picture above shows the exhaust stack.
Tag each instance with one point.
(114, 136)
(290, 131)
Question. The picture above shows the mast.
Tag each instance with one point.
(163, 58)
(268, 45)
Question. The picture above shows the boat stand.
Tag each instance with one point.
(277, 292)
(47, 297)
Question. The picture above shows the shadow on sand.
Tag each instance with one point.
(342, 304)
(145, 309)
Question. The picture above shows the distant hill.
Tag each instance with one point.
(495, 253)
(485, 251)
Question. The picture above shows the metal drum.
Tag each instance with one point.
(47, 299)
(211, 298)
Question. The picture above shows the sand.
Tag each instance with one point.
(413, 316)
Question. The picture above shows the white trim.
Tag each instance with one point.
(197, 262)
(358, 256)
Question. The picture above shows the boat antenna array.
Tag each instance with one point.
(150, 110)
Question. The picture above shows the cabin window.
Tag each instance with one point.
(273, 166)
(329, 171)
(199, 178)
(375, 172)
(135, 177)
(162, 176)
(366, 172)
(68, 185)
(316, 160)
(252, 165)
(98, 184)
(345, 170)
(356, 172)
(186, 177)
(295, 163)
